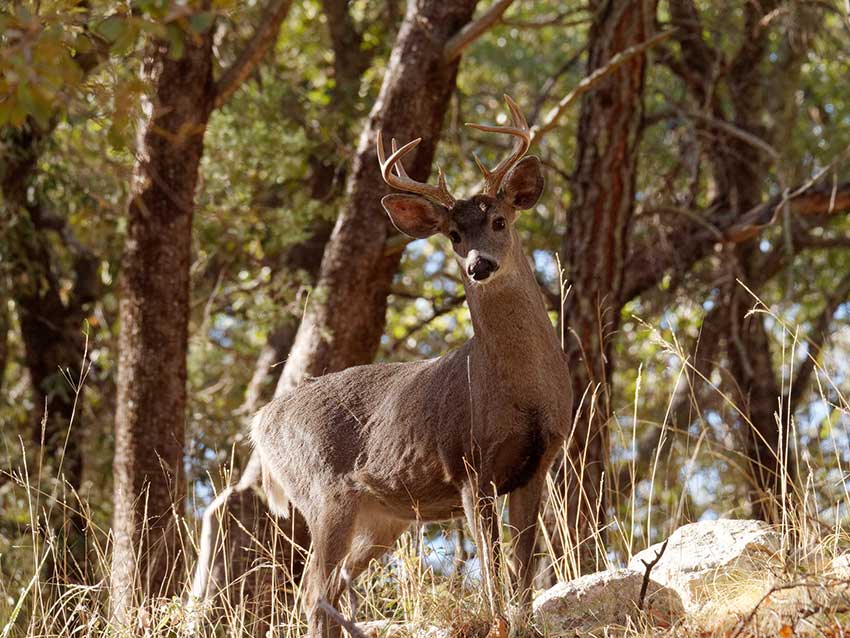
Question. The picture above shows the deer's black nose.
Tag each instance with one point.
(481, 268)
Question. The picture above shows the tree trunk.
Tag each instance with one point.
(154, 313)
(740, 171)
(756, 392)
(345, 318)
(51, 323)
(594, 250)
(743, 170)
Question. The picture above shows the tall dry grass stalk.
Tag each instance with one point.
(53, 593)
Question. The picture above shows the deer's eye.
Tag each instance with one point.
(499, 223)
(455, 237)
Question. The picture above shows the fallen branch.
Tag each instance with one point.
(645, 584)
(343, 622)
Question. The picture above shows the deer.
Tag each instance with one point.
(368, 451)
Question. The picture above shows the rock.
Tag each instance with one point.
(603, 599)
(839, 567)
(718, 567)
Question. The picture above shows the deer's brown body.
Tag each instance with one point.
(363, 452)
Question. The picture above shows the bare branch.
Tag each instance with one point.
(263, 39)
(590, 82)
(550, 82)
(353, 630)
(474, 30)
(560, 19)
(437, 311)
(737, 132)
(649, 566)
(687, 244)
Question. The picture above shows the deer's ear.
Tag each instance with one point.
(523, 185)
(413, 215)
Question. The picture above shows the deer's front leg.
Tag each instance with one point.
(479, 506)
(523, 510)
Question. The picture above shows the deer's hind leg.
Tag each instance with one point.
(331, 529)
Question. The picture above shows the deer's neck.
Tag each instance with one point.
(512, 327)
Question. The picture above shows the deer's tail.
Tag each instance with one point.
(276, 497)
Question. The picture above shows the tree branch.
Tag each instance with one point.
(735, 131)
(549, 84)
(687, 244)
(263, 39)
(436, 311)
(699, 61)
(474, 30)
(649, 565)
(353, 630)
(590, 82)
(350, 60)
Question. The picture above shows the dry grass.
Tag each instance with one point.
(52, 594)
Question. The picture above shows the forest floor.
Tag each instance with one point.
(411, 592)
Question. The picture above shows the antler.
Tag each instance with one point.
(402, 181)
(520, 130)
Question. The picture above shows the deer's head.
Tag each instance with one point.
(481, 228)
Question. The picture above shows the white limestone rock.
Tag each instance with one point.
(720, 566)
(603, 599)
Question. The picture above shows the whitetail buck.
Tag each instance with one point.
(364, 452)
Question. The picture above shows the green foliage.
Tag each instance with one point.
(256, 199)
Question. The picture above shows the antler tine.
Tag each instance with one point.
(402, 181)
(399, 167)
(520, 130)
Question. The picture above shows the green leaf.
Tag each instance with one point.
(176, 43)
(112, 28)
(201, 22)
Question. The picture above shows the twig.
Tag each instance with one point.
(645, 584)
(344, 622)
(436, 312)
(734, 131)
(592, 80)
(474, 30)
(550, 82)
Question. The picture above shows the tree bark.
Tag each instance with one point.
(154, 313)
(594, 250)
(154, 307)
(345, 318)
(356, 270)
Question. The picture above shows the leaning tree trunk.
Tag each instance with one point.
(594, 250)
(154, 313)
(345, 319)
